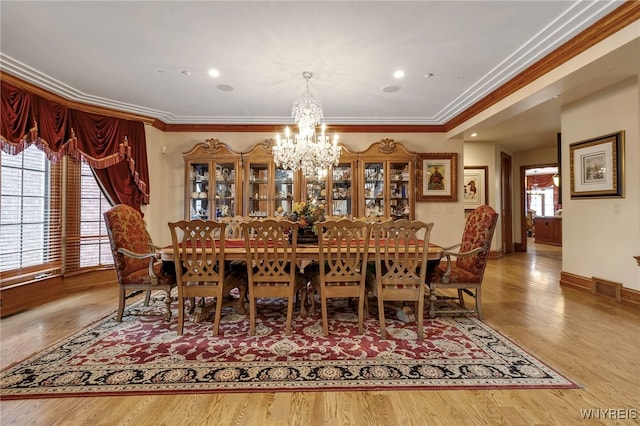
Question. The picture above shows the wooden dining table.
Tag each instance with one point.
(235, 249)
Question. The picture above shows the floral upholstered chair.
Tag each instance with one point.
(135, 258)
(465, 274)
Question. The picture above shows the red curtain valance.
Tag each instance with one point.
(113, 147)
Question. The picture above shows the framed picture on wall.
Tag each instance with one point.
(437, 177)
(475, 185)
(596, 167)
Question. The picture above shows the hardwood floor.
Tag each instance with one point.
(592, 340)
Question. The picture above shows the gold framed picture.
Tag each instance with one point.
(597, 167)
(437, 177)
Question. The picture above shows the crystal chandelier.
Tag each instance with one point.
(308, 151)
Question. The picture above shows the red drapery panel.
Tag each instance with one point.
(543, 181)
(114, 148)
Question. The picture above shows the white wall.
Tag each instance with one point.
(601, 236)
(166, 173)
(487, 154)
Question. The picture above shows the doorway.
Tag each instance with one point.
(539, 198)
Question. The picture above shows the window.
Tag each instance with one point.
(542, 202)
(95, 249)
(30, 215)
(33, 203)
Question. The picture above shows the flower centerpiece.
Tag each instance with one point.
(307, 214)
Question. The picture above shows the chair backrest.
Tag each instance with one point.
(271, 250)
(478, 232)
(127, 230)
(343, 250)
(401, 248)
(234, 230)
(198, 248)
(373, 219)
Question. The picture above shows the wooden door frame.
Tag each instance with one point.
(506, 202)
(523, 202)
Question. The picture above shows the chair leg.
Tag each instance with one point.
(167, 302)
(252, 316)
(361, 307)
(242, 289)
(420, 317)
(432, 300)
(325, 316)
(121, 300)
(147, 297)
(479, 303)
(383, 328)
(287, 330)
(218, 313)
(181, 300)
(461, 298)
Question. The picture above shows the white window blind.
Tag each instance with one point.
(44, 205)
(30, 218)
(87, 242)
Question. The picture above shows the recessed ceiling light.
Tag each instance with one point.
(391, 89)
(473, 135)
(185, 72)
(214, 73)
(225, 87)
(429, 75)
(398, 74)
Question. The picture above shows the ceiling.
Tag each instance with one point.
(152, 59)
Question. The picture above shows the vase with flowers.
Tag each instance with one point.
(307, 214)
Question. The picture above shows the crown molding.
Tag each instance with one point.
(624, 15)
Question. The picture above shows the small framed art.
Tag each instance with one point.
(597, 167)
(437, 177)
(475, 186)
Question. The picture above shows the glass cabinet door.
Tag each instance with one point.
(316, 188)
(199, 191)
(341, 191)
(400, 190)
(374, 189)
(225, 195)
(284, 191)
(258, 190)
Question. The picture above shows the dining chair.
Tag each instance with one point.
(272, 267)
(466, 273)
(401, 248)
(198, 248)
(343, 255)
(234, 228)
(236, 270)
(136, 258)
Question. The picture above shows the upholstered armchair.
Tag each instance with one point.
(135, 258)
(466, 272)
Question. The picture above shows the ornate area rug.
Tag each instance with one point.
(143, 355)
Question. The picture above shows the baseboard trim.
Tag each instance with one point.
(495, 254)
(31, 294)
(627, 296)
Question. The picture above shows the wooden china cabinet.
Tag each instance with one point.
(377, 182)
(386, 181)
(212, 175)
(269, 190)
(336, 189)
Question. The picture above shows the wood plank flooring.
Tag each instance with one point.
(592, 340)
